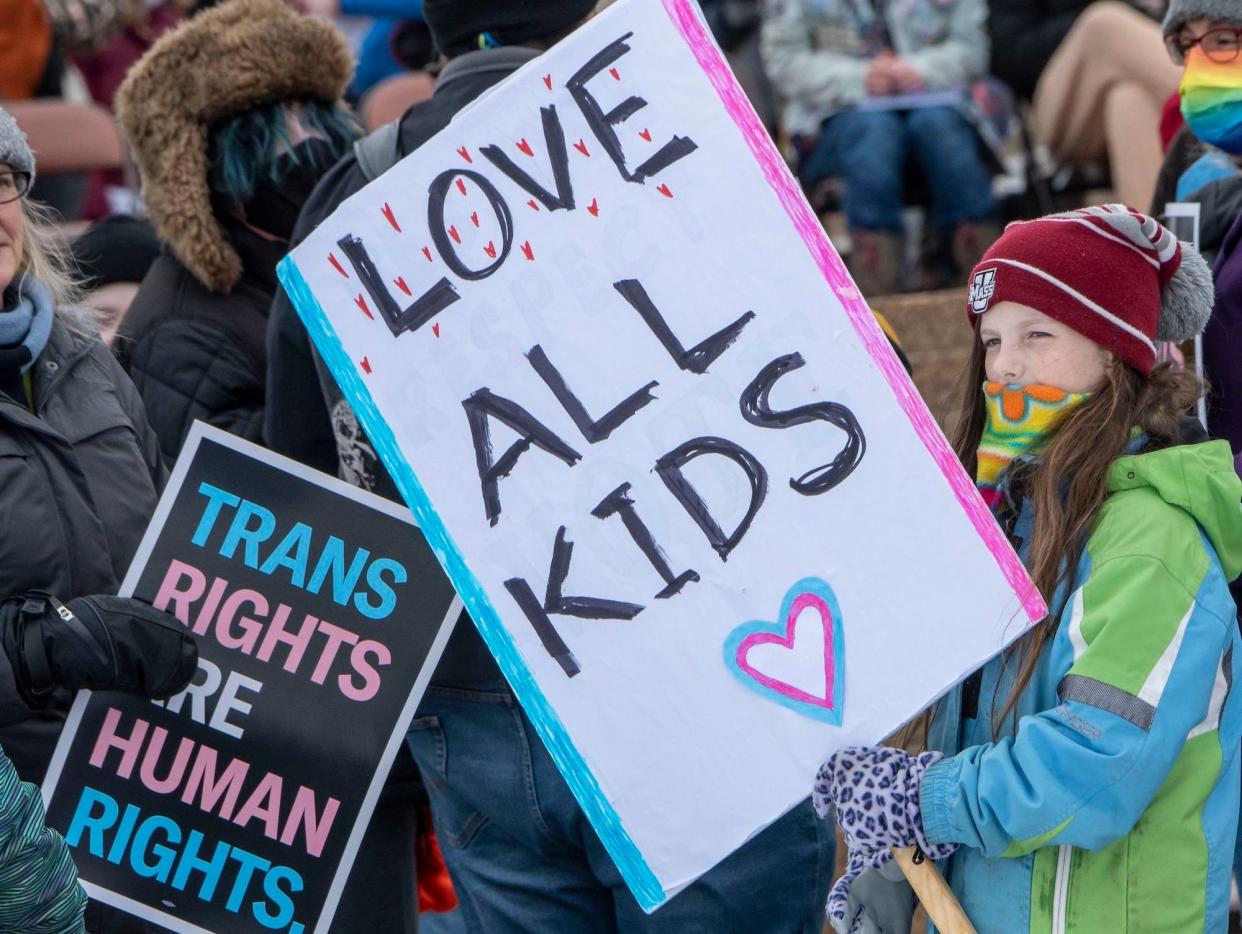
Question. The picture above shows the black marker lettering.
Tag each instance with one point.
(412, 317)
(699, 357)
(758, 411)
(602, 123)
(591, 429)
(436, 196)
(555, 602)
(485, 404)
(669, 468)
(558, 156)
(619, 502)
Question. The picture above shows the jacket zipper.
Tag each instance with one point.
(1060, 894)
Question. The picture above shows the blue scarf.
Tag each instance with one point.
(25, 324)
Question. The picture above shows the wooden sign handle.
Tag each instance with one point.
(938, 899)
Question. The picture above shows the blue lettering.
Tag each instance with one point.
(240, 531)
(381, 588)
(164, 855)
(211, 869)
(332, 560)
(293, 553)
(216, 498)
(95, 824)
(121, 840)
(249, 863)
(280, 899)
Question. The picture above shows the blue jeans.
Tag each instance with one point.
(524, 858)
(868, 149)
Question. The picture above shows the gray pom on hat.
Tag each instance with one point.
(14, 150)
(1182, 12)
(1186, 299)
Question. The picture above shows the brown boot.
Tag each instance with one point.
(875, 262)
(971, 240)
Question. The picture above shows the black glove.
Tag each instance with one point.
(101, 643)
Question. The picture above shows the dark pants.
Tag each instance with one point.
(869, 149)
(524, 858)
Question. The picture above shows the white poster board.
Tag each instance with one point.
(673, 467)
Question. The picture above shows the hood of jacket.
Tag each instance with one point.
(227, 60)
(1199, 479)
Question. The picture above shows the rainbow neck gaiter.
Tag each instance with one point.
(1212, 100)
(1019, 421)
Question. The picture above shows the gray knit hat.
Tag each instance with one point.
(14, 150)
(1182, 12)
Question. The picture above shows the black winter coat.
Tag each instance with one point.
(1025, 33)
(197, 354)
(79, 480)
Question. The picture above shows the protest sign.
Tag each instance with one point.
(239, 804)
(684, 487)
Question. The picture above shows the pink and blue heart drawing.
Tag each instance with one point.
(799, 660)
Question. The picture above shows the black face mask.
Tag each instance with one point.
(275, 205)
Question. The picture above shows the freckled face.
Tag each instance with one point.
(1025, 347)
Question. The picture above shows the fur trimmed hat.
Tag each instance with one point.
(1112, 274)
(1182, 12)
(228, 59)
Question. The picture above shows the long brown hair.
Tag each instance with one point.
(1068, 485)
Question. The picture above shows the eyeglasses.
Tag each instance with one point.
(13, 185)
(1220, 45)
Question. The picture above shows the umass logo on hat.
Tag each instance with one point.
(982, 288)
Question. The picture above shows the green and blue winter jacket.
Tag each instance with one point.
(39, 890)
(1109, 803)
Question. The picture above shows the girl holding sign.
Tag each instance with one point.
(1086, 780)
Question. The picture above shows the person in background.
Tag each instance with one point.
(1205, 38)
(1097, 79)
(80, 474)
(519, 861)
(1087, 780)
(868, 84)
(226, 161)
(112, 257)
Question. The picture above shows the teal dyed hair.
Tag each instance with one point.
(245, 149)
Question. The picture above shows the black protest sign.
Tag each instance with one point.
(239, 804)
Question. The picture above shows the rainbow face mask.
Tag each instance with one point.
(1212, 100)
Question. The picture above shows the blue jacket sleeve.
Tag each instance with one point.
(39, 890)
(1146, 657)
(389, 9)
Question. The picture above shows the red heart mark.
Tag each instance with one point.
(474, 218)
(337, 265)
(387, 212)
(582, 148)
(646, 134)
(454, 234)
(490, 249)
(461, 186)
(524, 146)
(663, 189)
(465, 154)
(435, 329)
(362, 303)
(533, 205)
(526, 248)
(593, 208)
(366, 366)
(400, 281)
(547, 82)
(615, 74)
(427, 253)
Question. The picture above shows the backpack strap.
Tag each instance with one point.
(377, 152)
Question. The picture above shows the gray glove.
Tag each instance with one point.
(880, 902)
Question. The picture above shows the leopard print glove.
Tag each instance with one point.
(874, 791)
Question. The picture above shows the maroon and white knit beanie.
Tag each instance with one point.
(1112, 274)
